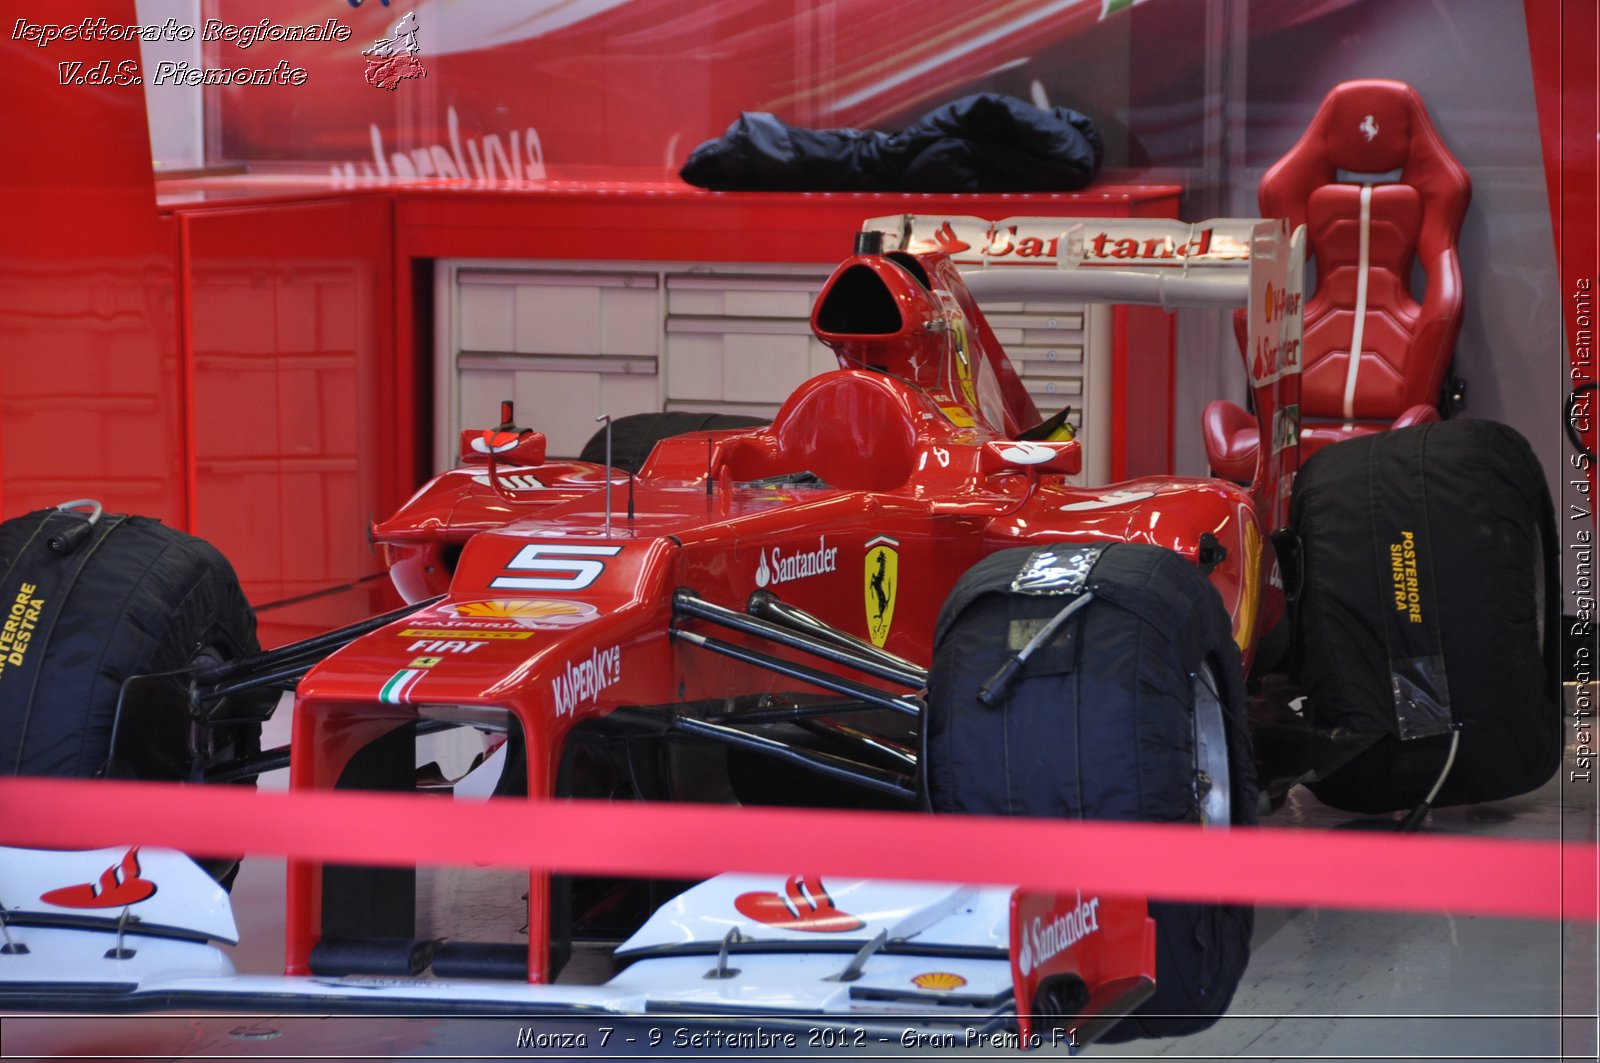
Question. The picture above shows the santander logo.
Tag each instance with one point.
(1043, 941)
(493, 442)
(803, 905)
(800, 565)
(119, 886)
(946, 240)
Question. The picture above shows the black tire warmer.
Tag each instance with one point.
(127, 596)
(1430, 605)
(1098, 725)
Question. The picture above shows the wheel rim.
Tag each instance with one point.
(1213, 785)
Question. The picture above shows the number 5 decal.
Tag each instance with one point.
(572, 561)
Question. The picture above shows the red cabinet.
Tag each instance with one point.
(288, 349)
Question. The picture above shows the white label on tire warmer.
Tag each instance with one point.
(1056, 570)
(17, 631)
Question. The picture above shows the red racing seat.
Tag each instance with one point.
(1377, 191)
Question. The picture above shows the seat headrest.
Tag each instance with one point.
(1372, 127)
(1366, 125)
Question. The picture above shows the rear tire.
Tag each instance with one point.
(1127, 713)
(634, 436)
(1429, 611)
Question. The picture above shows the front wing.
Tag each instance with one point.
(929, 964)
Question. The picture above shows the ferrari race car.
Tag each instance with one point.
(894, 595)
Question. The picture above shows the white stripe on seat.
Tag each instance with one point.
(1358, 334)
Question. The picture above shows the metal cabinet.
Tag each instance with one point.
(572, 341)
(565, 344)
(739, 341)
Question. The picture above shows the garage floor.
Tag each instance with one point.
(1322, 984)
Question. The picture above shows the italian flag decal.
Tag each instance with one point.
(397, 691)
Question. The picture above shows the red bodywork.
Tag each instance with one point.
(558, 611)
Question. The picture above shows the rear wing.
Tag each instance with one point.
(1244, 263)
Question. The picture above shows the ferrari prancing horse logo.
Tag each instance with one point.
(882, 579)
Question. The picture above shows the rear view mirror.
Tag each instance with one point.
(504, 445)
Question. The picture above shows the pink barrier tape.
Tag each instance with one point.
(1284, 867)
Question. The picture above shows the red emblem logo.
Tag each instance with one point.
(944, 239)
(495, 442)
(394, 59)
(118, 887)
(804, 905)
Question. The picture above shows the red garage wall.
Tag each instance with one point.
(228, 370)
(90, 401)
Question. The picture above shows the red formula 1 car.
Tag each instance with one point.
(894, 595)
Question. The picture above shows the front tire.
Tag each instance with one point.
(1132, 711)
(129, 597)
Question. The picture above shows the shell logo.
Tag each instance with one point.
(939, 981)
(525, 612)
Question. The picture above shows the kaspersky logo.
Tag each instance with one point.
(1043, 940)
(583, 681)
(881, 578)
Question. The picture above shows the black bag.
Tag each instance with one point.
(982, 143)
(1429, 606)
